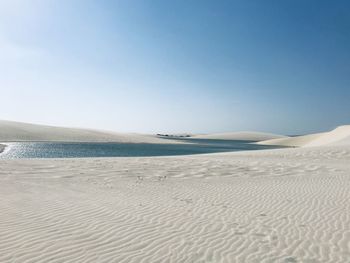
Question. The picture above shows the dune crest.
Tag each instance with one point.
(18, 131)
(338, 136)
(243, 136)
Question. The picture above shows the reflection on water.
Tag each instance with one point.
(69, 150)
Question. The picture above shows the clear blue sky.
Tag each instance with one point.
(176, 66)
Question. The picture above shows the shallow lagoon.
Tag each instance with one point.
(76, 150)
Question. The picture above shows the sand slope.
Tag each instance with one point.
(17, 131)
(249, 136)
(289, 205)
(338, 136)
(297, 141)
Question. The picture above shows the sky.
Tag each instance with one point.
(161, 66)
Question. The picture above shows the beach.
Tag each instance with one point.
(286, 205)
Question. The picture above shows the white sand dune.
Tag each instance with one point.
(297, 141)
(340, 136)
(287, 205)
(18, 131)
(245, 135)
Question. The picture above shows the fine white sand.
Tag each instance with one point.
(245, 135)
(338, 136)
(297, 141)
(287, 205)
(18, 131)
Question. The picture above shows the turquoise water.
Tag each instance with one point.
(71, 150)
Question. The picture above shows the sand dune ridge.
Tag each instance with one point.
(338, 136)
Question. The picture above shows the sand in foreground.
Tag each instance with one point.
(289, 205)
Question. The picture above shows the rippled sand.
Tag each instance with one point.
(289, 205)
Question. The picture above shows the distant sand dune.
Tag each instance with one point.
(338, 136)
(297, 141)
(17, 131)
(248, 136)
